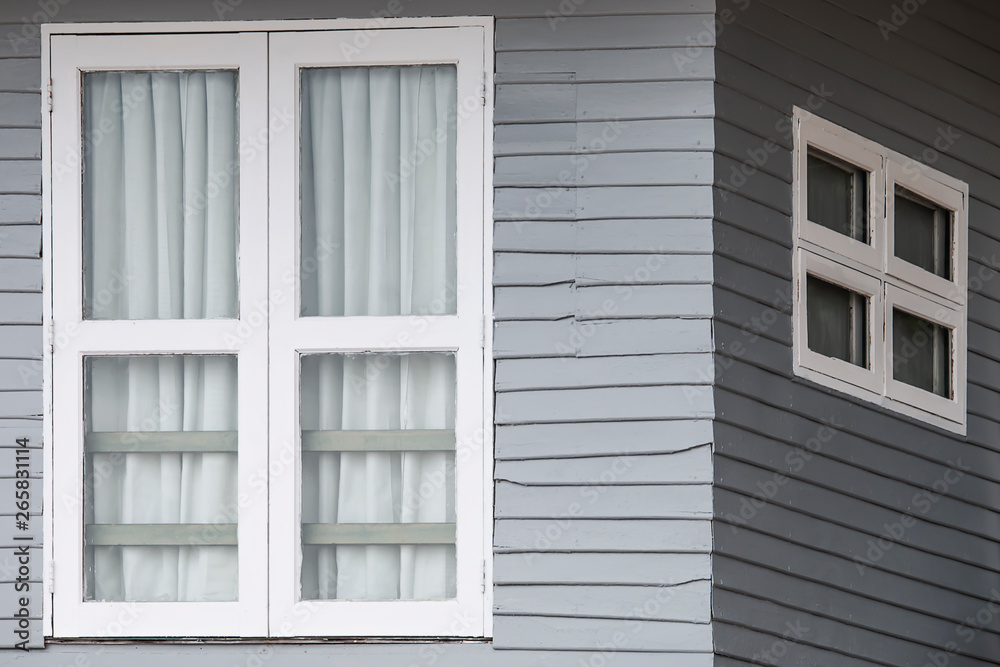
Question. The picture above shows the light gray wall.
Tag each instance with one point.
(20, 328)
(603, 348)
(789, 588)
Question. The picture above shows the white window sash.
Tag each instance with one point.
(291, 335)
(869, 379)
(915, 178)
(949, 317)
(71, 616)
(825, 136)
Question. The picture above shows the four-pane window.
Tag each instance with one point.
(880, 254)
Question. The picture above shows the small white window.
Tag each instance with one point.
(880, 274)
(268, 258)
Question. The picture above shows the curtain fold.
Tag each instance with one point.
(378, 205)
(379, 224)
(378, 191)
(378, 392)
(160, 208)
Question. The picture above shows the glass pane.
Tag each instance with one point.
(837, 321)
(378, 191)
(837, 195)
(160, 186)
(923, 234)
(921, 353)
(160, 478)
(378, 476)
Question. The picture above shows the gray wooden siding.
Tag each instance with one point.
(603, 339)
(813, 562)
(20, 325)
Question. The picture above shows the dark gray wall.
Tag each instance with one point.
(816, 561)
(603, 239)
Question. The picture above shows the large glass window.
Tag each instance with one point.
(268, 276)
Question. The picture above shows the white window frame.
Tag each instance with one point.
(924, 184)
(267, 606)
(816, 265)
(874, 271)
(292, 336)
(932, 311)
(861, 153)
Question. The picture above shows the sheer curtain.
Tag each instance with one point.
(145, 396)
(378, 191)
(378, 392)
(378, 238)
(160, 236)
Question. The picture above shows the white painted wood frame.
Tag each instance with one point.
(121, 46)
(918, 180)
(815, 132)
(463, 333)
(75, 338)
(870, 378)
(849, 263)
(953, 319)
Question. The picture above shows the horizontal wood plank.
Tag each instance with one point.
(690, 602)
(584, 634)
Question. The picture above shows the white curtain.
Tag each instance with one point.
(160, 195)
(160, 208)
(147, 395)
(378, 392)
(378, 220)
(378, 191)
